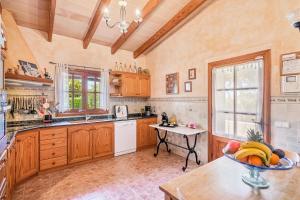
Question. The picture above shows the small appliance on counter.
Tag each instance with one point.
(121, 111)
(165, 121)
(148, 111)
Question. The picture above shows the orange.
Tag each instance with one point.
(274, 159)
(245, 159)
(255, 160)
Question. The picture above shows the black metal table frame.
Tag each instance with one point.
(191, 149)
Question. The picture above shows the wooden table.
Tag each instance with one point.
(221, 180)
(185, 132)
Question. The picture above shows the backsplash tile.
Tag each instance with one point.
(283, 108)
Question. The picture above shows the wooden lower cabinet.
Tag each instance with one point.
(146, 136)
(11, 167)
(79, 143)
(53, 147)
(3, 176)
(27, 154)
(103, 139)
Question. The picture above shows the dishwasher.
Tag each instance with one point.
(125, 137)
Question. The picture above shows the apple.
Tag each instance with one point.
(232, 147)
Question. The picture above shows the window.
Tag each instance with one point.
(237, 98)
(84, 91)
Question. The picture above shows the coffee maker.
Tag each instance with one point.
(148, 111)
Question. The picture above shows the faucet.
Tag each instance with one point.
(87, 117)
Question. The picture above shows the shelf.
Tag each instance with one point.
(23, 80)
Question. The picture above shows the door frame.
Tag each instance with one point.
(266, 92)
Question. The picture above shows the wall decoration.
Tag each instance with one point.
(188, 86)
(192, 73)
(172, 83)
(30, 69)
(290, 64)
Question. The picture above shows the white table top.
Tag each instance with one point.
(182, 130)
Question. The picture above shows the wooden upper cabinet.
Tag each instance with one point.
(144, 86)
(131, 85)
(103, 139)
(27, 154)
(79, 143)
(146, 136)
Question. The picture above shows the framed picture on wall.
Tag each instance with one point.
(188, 86)
(172, 83)
(192, 73)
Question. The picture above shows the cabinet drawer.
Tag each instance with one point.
(53, 162)
(53, 133)
(54, 143)
(53, 153)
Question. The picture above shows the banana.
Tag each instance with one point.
(260, 146)
(250, 152)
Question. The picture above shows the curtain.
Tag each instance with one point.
(62, 87)
(104, 93)
(259, 65)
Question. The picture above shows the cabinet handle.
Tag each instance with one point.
(53, 144)
(53, 154)
(53, 163)
(53, 134)
(18, 140)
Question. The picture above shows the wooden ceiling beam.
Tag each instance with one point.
(98, 14)
(51, 19)
(147, 10)
(188, 9)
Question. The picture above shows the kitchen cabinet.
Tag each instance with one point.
(27, 154)
(144, 85)
(79, 143)
(11, 169)
(146, 136)
(103, 139)
(3, 176)
(53, 147)
(125, 84)
(130, 85)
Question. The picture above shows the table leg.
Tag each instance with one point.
(191, 150)
(161, 140)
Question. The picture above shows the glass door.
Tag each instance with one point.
(238, 99)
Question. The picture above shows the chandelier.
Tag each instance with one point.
(122, 24)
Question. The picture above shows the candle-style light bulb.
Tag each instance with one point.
(138, 17)
(106, 13)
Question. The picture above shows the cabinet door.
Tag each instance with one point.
(103, 140)
(144, 86)
(27, 155)
(142, 133)
(130, 85)
(79, 144)
(152, 132)
(11, 169)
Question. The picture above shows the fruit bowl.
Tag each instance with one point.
(253, 177)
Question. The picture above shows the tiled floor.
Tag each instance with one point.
(130, 177)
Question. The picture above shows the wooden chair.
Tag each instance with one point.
(293, 156)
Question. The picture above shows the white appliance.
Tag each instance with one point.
(125, 137)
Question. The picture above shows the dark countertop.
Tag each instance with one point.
(14, 127)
